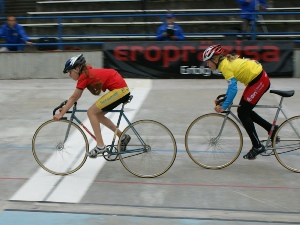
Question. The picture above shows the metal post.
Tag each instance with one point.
(59, 33)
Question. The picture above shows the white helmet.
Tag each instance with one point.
(212, 50)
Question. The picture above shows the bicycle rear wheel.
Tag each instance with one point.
(151, 151)
(210, 146)
(58, 151)
(287, 144)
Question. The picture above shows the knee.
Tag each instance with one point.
(89, 113)
(92, 113)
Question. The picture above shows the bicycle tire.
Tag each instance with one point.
(152, 158)
(286, 144)
(208, 150)
(55, 154)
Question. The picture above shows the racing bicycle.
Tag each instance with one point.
(214, 141)
(61, 147)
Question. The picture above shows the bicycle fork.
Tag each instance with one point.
(214, 140)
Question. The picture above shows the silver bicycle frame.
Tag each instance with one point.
(278, 107)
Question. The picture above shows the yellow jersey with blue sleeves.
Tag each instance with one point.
(243, 70)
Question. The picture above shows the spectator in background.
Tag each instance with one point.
(169, 31)
(13, 33)
(247, 8)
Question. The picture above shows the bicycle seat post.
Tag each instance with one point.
(123, 105)
(279, 109)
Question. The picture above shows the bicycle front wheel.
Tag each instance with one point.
(60, 147)
(213, 141)
(151, 151)
(287, 144)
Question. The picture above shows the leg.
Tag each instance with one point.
(252, 94)
(97, 116)
(94, 114)
(259, 86)
(107, 102)
(260, 121)
(244, 112)
(108, 123)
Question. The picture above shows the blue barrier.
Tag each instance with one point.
(61, 36)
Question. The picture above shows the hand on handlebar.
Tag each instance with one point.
(57, 117)
(217, 102)
(219, 109)
(220, 99)
(59, 108)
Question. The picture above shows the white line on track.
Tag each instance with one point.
(43, 186)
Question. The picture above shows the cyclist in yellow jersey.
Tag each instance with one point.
(251, 74)
(242, 70)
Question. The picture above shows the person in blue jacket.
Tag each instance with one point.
(169, 31)
(13, 33)
(247, 8)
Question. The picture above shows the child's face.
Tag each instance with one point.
(74, 74)
(211, 64)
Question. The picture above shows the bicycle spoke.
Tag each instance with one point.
(57, 153)
(211, 143)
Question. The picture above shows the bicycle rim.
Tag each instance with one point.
(287, 148)
(56, 152)
(151, 151)
(210, 148)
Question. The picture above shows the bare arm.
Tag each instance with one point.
(74, 98)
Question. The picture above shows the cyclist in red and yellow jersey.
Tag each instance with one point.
(97, 80)
(251, 74)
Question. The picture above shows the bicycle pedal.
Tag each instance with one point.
(265, 154)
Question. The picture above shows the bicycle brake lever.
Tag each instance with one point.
(58, 107)
(220, 99)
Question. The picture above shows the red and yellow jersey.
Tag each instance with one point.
(243, 70)
(108, 78)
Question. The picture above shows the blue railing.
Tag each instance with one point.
(62, 36)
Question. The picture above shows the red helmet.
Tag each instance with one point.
(212, 50)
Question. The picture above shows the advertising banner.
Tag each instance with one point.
(155, 59)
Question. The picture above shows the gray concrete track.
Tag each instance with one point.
(246, 192)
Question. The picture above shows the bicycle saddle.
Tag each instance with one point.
(129, 99)
(283, 93)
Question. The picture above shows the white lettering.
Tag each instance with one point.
(249, 99)
(201, 70)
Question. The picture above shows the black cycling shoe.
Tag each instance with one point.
(251, 155)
